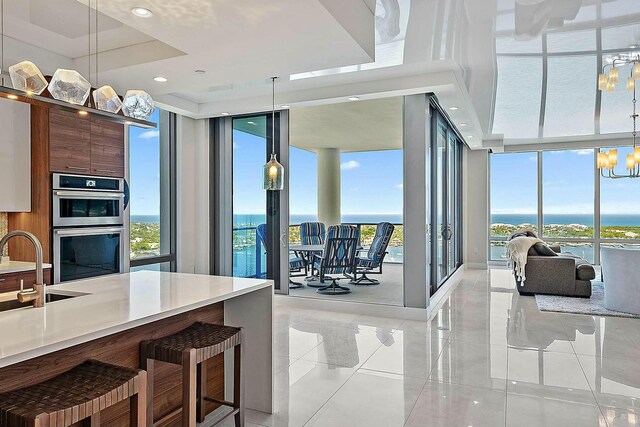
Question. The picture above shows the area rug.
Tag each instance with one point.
(593, 306)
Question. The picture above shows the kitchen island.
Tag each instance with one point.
(108, 317)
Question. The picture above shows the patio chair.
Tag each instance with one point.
(338, 257)
(371, 263)
(311, 233)
(295, 264)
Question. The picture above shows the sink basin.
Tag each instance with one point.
(49, 297)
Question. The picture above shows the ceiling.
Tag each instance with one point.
(351, 126)
(483, 56)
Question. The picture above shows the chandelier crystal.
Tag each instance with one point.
(608, 160)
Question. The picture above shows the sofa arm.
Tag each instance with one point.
(550, 275)
(556, 248)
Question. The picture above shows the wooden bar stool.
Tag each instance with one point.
(191, 348)
(76, 395)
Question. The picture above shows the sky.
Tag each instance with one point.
(144, 181)
(371, 181)
(568, 184)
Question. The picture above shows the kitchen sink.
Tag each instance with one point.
(13, 304)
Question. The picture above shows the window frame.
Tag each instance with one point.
(166, 125)
(596, 241)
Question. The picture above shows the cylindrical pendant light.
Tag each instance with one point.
(273, 171)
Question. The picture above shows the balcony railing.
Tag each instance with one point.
(249, 256)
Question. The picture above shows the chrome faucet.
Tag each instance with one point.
(37, 294)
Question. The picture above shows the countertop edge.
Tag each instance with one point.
(64, 344)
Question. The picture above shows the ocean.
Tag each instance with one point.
(245, 252)
(563, 219)
(256, 219)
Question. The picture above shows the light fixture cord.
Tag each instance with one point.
(2, 43)
(89, 38)
(97, 51)
(273, 115)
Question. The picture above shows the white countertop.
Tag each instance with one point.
(112, 304)
(19, 266)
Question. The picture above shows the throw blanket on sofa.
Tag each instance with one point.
(517, 249)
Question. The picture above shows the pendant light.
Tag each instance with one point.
(273, 171)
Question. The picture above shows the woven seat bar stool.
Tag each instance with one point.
(76, 395)
(191, 348)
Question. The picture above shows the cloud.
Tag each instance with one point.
(400, 186)
(351, 164)
(148, 134)
(585, 152)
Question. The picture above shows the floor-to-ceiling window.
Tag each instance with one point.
(249, 198)
(152, 194)
(514, 197)
(579, 210)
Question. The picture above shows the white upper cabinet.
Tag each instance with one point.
(15, 156)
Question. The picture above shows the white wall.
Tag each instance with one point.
(192, 160)
(476, 207)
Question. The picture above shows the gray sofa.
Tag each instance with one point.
(556, 273)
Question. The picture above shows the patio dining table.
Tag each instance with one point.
(306, 252)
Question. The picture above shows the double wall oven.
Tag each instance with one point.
(88, 226)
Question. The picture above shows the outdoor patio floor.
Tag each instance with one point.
(388, 292)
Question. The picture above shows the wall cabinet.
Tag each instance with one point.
(85, 145)
(11, 281)
(15, 156)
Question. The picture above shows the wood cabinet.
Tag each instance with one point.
(70, 142)
(85, 145)
(107, 148)
(11, 281)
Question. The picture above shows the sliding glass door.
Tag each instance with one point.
(249, 199)
(445, 195)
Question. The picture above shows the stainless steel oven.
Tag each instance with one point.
(80, 253)
(87, 201)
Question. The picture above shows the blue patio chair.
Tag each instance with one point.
(338, 257)
(374, 257)
(295, 264)
(312, 233)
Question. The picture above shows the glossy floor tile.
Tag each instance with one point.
(486, 357)
(445, 405)
(370, 399)
(529, 411)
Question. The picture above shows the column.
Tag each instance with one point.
(329, 186)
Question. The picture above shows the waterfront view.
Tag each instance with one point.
(145, 236)
(613, 226)
(247, 249)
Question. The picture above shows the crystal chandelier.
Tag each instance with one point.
(607, 161)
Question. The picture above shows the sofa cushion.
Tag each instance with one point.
(532, 252)
(584, 270)
(544, 250)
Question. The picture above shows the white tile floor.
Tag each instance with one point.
(488, 358)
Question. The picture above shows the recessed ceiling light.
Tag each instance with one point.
(285, 107)
(12, 96)
(354, 98)
(454, 108)
(463, 124)
(251, 123)
(200, 71)
(160, 79)
(225, 114)
(141, 12)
